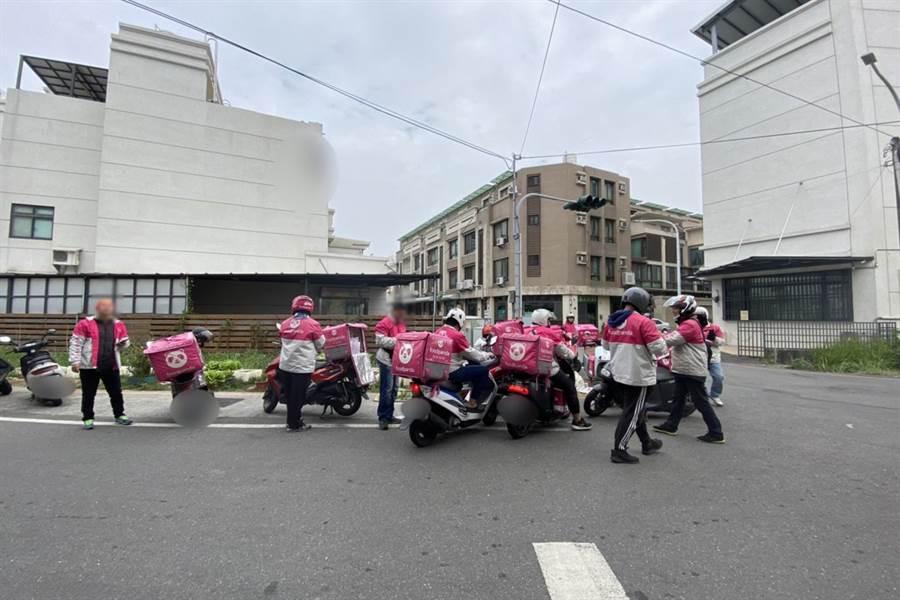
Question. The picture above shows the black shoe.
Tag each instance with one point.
(622, 457)
(651, 447)
(394, 421)
(582, 425)
(302, 427)
(712, 439)
(666, 429)
(383, 425)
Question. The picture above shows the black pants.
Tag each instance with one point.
(294, 386)
(90, 381)
(565, 383)
(634, 414)
(696, 387)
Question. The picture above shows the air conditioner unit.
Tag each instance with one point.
(623, 224)
(466, 284)
(623, 261)
(581, 218)
(621, 188)
(501, 281)
(501, 241)
(66, 257)
(627, 278)
(581, 178)
(581, 258)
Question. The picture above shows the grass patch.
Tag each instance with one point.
(876, 357)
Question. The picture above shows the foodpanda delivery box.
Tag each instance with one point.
(588, 335)
(421, 355)
(501, 329)
(527, 353)
(174, 356)
(345, 340)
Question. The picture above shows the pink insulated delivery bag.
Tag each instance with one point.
(527, 353)
(343, 341)
(421, 355)
(174, 356)
(588, 335)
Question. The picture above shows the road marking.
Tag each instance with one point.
(574, 571)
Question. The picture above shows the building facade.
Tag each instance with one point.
(800, 226)
(130, 179)
(572, 263)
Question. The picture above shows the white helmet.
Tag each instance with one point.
(701, 312)
(542, 317)
(456, 314)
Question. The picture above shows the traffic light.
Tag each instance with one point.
(585, 203)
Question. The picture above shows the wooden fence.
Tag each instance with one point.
(232, 332)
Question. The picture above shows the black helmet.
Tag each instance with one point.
(638, 298)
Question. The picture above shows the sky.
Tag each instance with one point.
(466, 67)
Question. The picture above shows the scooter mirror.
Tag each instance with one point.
(277, 326)
(51, 331)
(5, 339)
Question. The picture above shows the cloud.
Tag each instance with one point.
(466, 67)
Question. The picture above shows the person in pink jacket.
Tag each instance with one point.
(94, 354)
(386, 333)
(301, 341)
(466, 361)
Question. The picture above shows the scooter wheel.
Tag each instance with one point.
(596, 402)
(194, 408)
(517, 431)
(490, 417)
(422, 433)
(270, 401)
(349, 405)
(52, 401)
(5, 387)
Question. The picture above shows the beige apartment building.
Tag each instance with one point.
(572, 263)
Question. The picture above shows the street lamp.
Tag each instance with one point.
(677, 248)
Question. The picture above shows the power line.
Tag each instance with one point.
(369, 103)
(537, 91)
(705, 62)
(714, 141)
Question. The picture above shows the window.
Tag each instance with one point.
(595, 229)
(33, 222)
(609, 233)
(596, 263)
(609, 191)
(595, 187)
(500, 310)
(471, 308)
(534, 219)
(501, 269)
(452, 279)
(433, 256)
(533, 181)
(53, 295)
(469, 243)
(648, 275)
(534, 260)
(417, 263)
(66, 295)
(610, 268)
(671, 277)
(820, 296)
(695, 257)
(452, 249)
(501, 230)
(469, 272)
(344, 306)
(639, 248)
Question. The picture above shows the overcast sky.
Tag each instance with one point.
(469, 68)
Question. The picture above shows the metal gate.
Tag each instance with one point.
(755, 338)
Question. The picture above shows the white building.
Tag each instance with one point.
(800, 227)
(139, 169)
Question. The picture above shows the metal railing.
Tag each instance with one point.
(755, 338)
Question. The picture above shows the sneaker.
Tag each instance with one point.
(717, 401)
(87, 424)
(623, 458)
(302, 427)
(582, 425)
(666, 429)
(383, 425)
(651, 447)
(712, 439)
(394, 421)
(123, 420)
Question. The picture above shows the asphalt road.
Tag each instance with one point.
(802, 502)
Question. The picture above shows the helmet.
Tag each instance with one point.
(542, 317)
(487, 330)
(457, 315)
(570, 316)
(304, 303)
(638, 298)
(685, 304)
(702, 316)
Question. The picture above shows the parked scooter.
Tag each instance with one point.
(5, 370)
(178, 360)
(340, 382)
(441, 407)
(524, 402)
(43, 376)
(659, 399)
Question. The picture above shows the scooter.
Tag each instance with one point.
(43, 376)
(5, 369)
(442, 408)
(524, 402)
(659, 399)
(334, 385)
(193, 403)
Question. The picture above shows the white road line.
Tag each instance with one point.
(574, 571)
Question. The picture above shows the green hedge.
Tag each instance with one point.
(854, 356)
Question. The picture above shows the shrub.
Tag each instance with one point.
(228, 364)
(133, 356)
(854, 356)
(216, 378)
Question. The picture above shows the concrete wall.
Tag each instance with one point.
(824, 193)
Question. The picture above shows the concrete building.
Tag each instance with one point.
(571, 262)
(128, 180)
(653, 252)
(800, 227)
